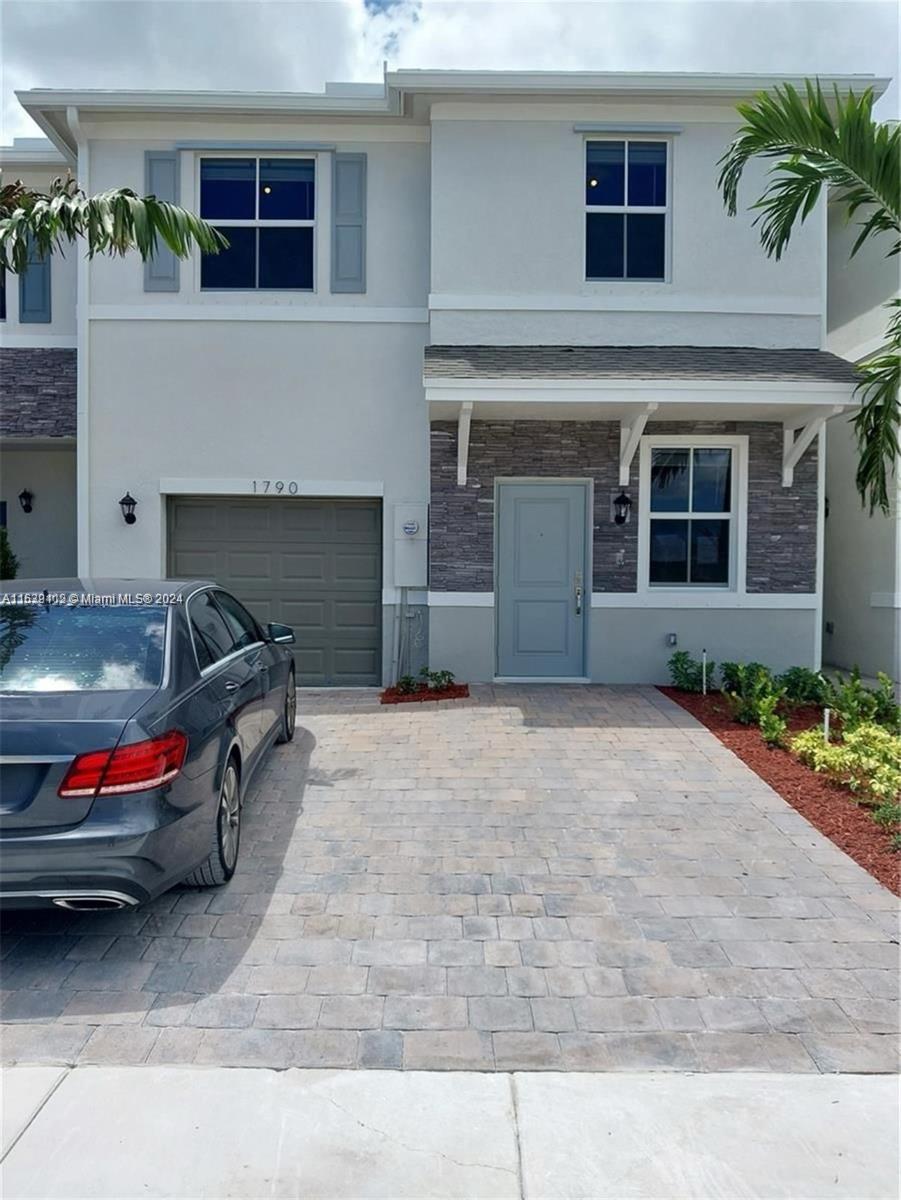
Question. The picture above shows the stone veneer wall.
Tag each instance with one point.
(781, 554)
(37, 392)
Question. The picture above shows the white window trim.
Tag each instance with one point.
(316, 157)
(666, 210)
(738, 543)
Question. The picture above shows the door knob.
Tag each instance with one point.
(578, 599)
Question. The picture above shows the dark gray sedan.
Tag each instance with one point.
(133, 714)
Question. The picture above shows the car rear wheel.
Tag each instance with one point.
(289, 712)
(220, 863)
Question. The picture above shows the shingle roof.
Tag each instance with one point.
(635, 362)
(37, 393)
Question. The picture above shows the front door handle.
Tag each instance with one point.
(578, 599)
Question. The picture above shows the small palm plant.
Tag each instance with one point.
(34, 224)
(833, 144)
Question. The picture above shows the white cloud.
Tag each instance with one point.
(298, 44)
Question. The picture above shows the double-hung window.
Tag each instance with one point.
(266, 207)
(690, 501)
(625, 209)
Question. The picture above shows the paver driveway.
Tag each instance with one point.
(576, 878)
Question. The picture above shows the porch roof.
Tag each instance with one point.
(648, 363)
(799, 389)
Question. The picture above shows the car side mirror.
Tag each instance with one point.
(280, 633)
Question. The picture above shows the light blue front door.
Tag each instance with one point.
(541, 580)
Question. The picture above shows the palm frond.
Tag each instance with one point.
(34, 224)
(818, 143)
(877, 423)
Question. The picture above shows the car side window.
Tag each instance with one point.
(211, 635)
(243, 627)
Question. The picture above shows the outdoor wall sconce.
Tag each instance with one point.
(127, 504)
(25, 499)
(621, 507)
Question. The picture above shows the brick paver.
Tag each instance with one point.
(575, 878)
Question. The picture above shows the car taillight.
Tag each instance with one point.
(133, 768)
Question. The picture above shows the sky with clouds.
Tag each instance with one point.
(278, 45)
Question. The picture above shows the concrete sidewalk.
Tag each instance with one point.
(125, 1132)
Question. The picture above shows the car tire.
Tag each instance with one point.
(289, 711)
(220, 863)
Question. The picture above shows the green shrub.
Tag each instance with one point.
(772, 727)
(752, 683)
(437, 680)
(9, 564)
(737, 676)
(867, 760)
(888, 815)
(407, 685)
(687, 673)
(888, 711)
(802, 686)
(852, 702)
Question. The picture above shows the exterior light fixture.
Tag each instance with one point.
(621, 506)
(127, 504)
(25, 499)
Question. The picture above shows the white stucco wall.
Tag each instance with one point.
(508, 223)
(862, 585)
(397, 212)
(44, 539)
(59, 331)
(862, 588)
(322, 403)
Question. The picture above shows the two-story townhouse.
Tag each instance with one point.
(37, 389)
(486, 364)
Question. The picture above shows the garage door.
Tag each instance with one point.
(314, 564)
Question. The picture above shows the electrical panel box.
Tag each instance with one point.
(411, 545)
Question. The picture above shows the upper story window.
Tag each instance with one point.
(266, 207)
(691, 493)
(625, 209)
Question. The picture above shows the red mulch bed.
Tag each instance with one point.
(456, 691)
(826, 805)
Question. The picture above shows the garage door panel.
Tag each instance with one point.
(357, 519)
(357, 568)
(313, 564)
(249, 567)
(306, 568)
(350, 615)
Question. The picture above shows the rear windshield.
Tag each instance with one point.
(52, 648)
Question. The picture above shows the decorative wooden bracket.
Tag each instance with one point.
(793, 448)
(629, 436)
(464, 420)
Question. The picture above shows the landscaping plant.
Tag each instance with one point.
(438, 681)
(687, 673)
(803, 686)
(752, 684)
(407, 685)
(773, 728)
(9, 564)
(867, 760)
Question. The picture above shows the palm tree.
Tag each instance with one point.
(33, 224)
(834, 144)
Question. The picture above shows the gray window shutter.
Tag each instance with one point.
(161, 180)
(349, 223)
(34, 292)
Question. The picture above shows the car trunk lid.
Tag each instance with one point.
(40, 736)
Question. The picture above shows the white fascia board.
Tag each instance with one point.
(637, 298)
(639, 391)
(613, 82)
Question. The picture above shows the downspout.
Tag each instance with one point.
(82, 324)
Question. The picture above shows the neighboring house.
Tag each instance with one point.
(862, 601)
(38, 391)
(486, 361)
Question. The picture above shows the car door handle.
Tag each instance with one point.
(231, 686)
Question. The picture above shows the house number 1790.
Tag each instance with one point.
(276, 487)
